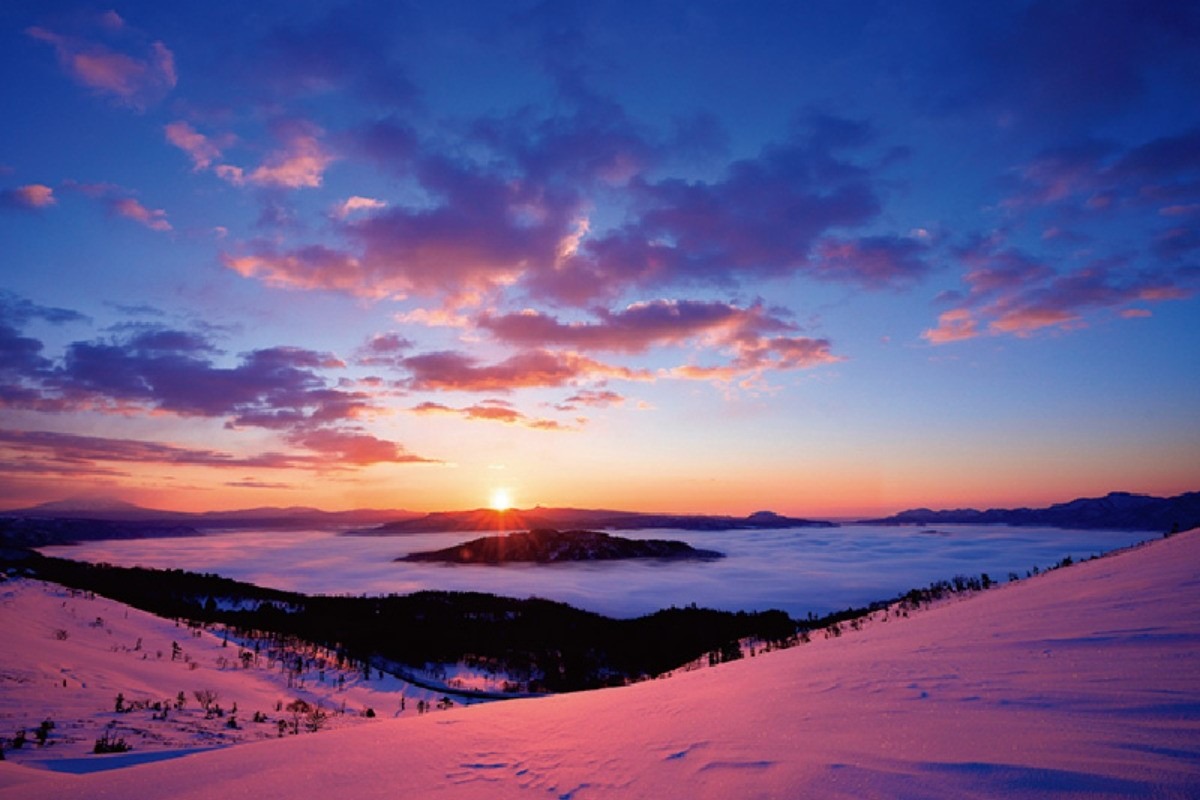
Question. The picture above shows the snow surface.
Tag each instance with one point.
(1083, 682)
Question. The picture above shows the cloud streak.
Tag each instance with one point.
(494, 411)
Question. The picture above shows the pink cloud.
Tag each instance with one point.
(453, 371)
(356, 205)
(1025, 321)
(519, 216)
(48, 451)
(120, 200)
(311, 267)
(953, 326)
(30, 196)
(754, 340)
(352, 447)
(636, 328)
(300, 164)
(873, 261)
(202, 150)
(598, 398)
(137, 78)
(154, 219)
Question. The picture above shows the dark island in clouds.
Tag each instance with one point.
(546, 546)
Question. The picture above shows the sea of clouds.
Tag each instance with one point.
(798, 570)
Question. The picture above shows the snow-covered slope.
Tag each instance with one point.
(1084, 682)
(67, 655)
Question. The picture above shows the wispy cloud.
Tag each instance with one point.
(122, 201)
(122, 67)
(130, 208)
(455, 371)
(203, 150)
(357, 205)
(494, 411)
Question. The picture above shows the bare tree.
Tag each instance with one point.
(206, 698)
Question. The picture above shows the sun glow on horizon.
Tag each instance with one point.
(501, 500)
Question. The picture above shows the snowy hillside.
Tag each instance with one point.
(69, 654)
(1084, 682)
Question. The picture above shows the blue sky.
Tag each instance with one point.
(826, 258)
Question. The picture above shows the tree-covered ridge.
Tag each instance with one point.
(545, 645)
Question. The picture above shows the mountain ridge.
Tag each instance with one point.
(1115, 510)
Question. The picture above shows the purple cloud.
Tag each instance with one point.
(154, 369)
(1010, 293)
(636, 328)
(518, 212)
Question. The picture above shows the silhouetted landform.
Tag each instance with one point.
(292, 517)
(542, 645)
(548, 546)
(1117, 511)
(26, 532)
(490, 520)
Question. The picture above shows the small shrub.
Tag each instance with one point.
(109, 742)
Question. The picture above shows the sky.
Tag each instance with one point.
(824, 258)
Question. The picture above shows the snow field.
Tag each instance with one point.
(1083, 682)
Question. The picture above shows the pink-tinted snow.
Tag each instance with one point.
(1084, 682)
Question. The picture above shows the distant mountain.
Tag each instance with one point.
(43, 531)
(1117, 510)
(112, 510)
(487, 519)
(103, 508)
(546, 546)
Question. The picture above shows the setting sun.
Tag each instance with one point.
(501, 500)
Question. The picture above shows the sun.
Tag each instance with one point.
(501, 500)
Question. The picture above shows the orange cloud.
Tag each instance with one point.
(493, 411)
